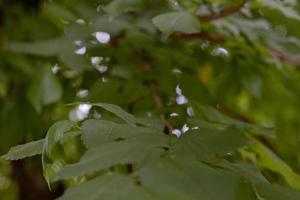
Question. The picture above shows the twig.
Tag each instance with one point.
(218, 39)
(157, 98)
(158, 102)
(285, 57)
(214, 38)
(223, 13)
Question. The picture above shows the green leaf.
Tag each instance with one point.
(276, 192)
(177, 22)
(268, 160)
(181, 178)
(99, 132)
(285, 10)
(108, 187)
(45, 89)
(118, 111)
(53, 157)
(39, 48)
(132, 151)
(117, 7)
(69, 135)
(152, 123)
(204, 144)
(25, 150)
(248, 171)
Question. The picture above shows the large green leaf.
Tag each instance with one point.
(204, 144)
(130, 151)
(108, 187)
(182, 178)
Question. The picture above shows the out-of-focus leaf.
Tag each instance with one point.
(117, 7)
(276, 192)
(278, 5)
(268, 160)
(40, 48)
(45, 89)
(177, 22)
(11, 127)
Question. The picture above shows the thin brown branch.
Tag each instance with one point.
(159, 103)
(235, 115)
(214, 38)
(218, 39)
(285, 57)
(157, 97)
(223, 13)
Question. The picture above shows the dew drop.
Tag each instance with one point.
(81, 112)
(174, 114)
(220, 52)
(176, 132)
(185, 128)
(82, 93)
(55, 69)
(176, 71)
(190, 111)
(80, 21)
(102, 37)
(81, 51)
(101, 68)
(181, 100)
(178, 90)
(96, 60)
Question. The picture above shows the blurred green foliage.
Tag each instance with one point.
(223, 75)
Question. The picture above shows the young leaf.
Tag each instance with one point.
(53, 157)
(45, 89)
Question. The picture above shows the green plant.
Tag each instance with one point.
(222, 76)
